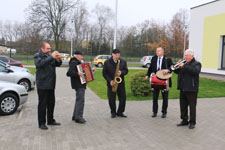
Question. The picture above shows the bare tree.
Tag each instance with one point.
(80, 23)
(104, 15)
(177, 31)
(51, 15)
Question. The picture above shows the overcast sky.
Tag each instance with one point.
(130, 12)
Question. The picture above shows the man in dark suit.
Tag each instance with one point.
(108, 72)
(158, 62)
(45, 63)
(188, 82)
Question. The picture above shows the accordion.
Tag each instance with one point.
(88, 74)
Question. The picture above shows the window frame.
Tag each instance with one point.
(223, 52)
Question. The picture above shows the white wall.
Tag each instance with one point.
(198, 14)
(197, 21)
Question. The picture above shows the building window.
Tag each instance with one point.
(223, 54)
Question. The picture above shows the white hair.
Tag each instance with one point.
(190, 51)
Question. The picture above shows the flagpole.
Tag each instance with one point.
(115, 28)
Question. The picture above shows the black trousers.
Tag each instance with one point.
(46, 102)
(155, 100)
(112, 99)
(188, 99)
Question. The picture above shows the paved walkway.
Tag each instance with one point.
(137, 132)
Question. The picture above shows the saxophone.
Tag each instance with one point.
(117, 79)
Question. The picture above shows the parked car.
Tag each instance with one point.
(13, 51)
(11, 97)
(146, 61)
(14, 67)
(100, 60)
(10, 61)
(21, 77)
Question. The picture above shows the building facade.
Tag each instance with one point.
(207, 36)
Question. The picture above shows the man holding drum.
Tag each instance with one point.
(159, 62)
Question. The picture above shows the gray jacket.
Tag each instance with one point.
(45, 70)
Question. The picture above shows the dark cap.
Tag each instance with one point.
(116, 51)
(78, 53)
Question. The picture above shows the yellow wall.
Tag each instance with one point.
(214, 28)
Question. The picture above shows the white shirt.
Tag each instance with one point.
(159, 65)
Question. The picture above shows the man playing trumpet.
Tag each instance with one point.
(158, 62)
(45, 63)
(188, 82)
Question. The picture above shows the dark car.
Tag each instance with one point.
(10, 61)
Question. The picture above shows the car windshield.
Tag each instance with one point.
(4, 64)
(3, 59)
(2, 68)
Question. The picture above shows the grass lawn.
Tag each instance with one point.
(134, 65)
(28, 62)
(32, 70)
(207, 88)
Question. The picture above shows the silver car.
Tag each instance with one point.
(146, 61)
(15, 75)
(13, 67)
(11, 97)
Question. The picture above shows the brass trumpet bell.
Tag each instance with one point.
(176, 66)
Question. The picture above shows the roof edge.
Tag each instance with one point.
(204, 4)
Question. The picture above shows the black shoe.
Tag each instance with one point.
(163, 115)
(54, 123)
(80, 120)
(191, 126)
(154, 115)
(183, 123)
(113, 115)
(121, 115)
(43, 127)
(73, 118)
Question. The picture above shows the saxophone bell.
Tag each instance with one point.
(118, 79)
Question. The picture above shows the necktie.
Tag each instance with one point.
(159, 64)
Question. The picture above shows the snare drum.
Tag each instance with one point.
(156, 83)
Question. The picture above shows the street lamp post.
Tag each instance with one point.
(71, 50)
(115, 28)
(185, 28)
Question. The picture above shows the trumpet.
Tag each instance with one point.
(62, 56)
(176, 66)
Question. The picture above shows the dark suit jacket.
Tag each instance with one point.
(45, 70)
(109, 69)
(188, 76)
(166, 64)
(73, 74)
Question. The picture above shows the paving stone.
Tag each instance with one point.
(137, 132)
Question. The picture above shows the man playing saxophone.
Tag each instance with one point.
(114, 70)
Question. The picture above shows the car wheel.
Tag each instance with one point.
(148, 65)
(8, 104)
(100, 65)
(25, 83)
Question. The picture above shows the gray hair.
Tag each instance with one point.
(190, 51)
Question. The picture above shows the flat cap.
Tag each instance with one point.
(115, 51)
(78, 52)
